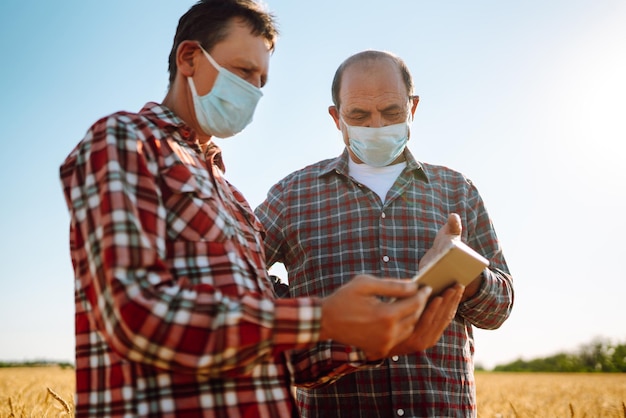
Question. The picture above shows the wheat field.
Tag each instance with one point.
(36, 392)
(540, 395)
(48, 392)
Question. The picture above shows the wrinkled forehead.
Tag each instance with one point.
(376, 83)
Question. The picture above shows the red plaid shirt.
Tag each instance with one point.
(326, 227)
(175, 313)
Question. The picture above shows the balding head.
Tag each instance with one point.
(364, 59)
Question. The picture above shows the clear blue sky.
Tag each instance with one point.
(527, 98)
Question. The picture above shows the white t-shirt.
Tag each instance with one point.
(379, 179)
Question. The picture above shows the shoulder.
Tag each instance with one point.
(309, 173)
(111, 135)
(123, 129)
(442, 174)
(121, 125)
(299, 183)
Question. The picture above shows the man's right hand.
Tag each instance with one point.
(356, 315)
(433, 322)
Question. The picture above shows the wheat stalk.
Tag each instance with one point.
(11, 406)
(61, 400)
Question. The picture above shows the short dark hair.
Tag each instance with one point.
(371, 55)
(208, 21)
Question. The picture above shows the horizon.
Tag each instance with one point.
(478, 365)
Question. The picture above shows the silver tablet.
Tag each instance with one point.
(457, 264)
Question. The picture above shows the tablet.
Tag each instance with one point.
(457, 264)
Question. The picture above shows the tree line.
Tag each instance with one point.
(37, 363)
(598, 356)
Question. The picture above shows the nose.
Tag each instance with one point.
(256, 81)
(376, 121)
(252, 79)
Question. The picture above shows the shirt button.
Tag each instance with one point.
(395, 358)
(383, 215)
(400, 412)
(385, 259)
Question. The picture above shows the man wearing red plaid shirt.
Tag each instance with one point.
(175, 313)
(376, 210)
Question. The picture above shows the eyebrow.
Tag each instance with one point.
(359, 111)
(394, 106)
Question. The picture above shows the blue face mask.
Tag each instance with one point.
(378, 147)
(228, 108)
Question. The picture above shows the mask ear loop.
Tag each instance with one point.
(192, 86)
(210, 58)
(347, 127)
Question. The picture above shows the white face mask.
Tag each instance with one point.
(378, 147)
(228, 108)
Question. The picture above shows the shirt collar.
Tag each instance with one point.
(167, 120)
(339, 165)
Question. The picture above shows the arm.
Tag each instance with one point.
(144, 311)
(491, 305)
(326, 363)
(491, 300)
(486, 301)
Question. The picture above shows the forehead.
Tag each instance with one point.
(372, 83)
(241, 44)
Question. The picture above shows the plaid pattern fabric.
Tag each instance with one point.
(175, 313)
(326, 227)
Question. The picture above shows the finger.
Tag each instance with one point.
(454, 224)
(431, 311)
(413, 306)
(440, 312)
(428, 326)
(396, 288)
(449, 304)
(407, 328)
(410, 311)
(454, 293)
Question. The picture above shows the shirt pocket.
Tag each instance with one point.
(193, 210)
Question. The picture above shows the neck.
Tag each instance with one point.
(179, 100)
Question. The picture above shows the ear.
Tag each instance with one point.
(185, 58)
(414, 102)
(334, 113)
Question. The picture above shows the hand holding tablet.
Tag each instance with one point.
(458, 263)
